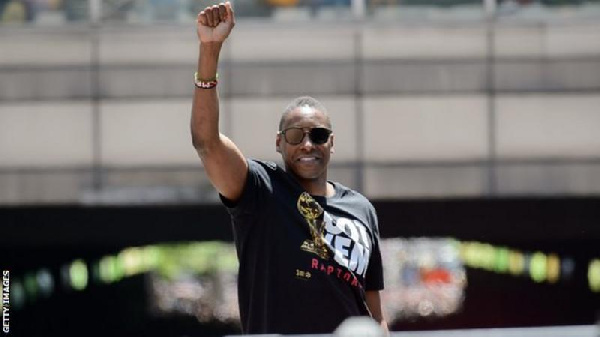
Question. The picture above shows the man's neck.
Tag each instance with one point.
(318, 187)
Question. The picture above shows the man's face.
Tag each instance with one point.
(306, 160)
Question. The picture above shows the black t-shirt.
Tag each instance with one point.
(289, 280)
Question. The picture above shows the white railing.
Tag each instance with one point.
(553, 331)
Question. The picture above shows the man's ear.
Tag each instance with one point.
(277, 142)
(331, 149)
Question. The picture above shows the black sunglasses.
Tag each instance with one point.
(295, 136)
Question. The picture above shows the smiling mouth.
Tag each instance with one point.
(308, 159)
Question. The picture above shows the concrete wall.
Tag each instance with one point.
(441, 111)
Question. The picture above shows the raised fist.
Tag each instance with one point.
(215, 23)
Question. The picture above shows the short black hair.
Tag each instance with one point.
(301, 102)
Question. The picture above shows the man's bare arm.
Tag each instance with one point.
(373, 300)
(223, 161)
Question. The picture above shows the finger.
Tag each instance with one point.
(229, 9)
(209, 19)
(222, 12)
(215, 15)
(202, 18)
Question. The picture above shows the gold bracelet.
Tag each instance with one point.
(202, 84)
(198, 79)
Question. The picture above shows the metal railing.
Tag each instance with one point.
(46, 12)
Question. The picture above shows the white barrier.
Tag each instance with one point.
(552, 331)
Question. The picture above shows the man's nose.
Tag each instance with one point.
(306, 141)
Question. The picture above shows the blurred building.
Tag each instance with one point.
(472, 125)
(428, 98)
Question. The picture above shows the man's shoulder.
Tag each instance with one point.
(264, 163)
(357, 203)
(346, 192)
(267, 171)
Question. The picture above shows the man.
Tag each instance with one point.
(308, 248)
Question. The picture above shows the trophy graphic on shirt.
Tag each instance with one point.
(313, 213)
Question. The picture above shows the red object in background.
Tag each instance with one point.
(438, 275)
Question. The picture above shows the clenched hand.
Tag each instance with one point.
(215, 23)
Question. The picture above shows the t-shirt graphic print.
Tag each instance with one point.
(346, 239)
